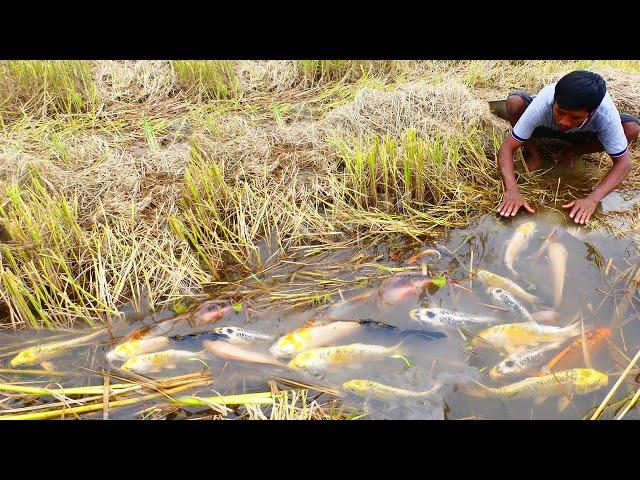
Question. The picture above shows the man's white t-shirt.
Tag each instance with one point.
(605, 121)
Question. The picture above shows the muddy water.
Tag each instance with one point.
(594, 288)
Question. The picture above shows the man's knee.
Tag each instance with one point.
(515, 108)
(631, 131)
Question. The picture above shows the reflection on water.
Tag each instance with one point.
(599, 277)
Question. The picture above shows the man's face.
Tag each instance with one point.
(568, 119)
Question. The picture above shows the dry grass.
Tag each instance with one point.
(149, 181)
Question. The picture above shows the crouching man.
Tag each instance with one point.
(576, 109)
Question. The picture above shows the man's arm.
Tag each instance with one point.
(581, 210)
(513, 199)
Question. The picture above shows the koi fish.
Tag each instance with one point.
(517, 244)
(42, 353)
(439, 317)
(240, 335)
(492, 280)
(374, 389)
(515, 337)
(519, 363)
(579, 381)
(170, 326)
(558, 261)
(132, 348)
(505, 298)
(155, 362)
(316, 361)
(318, 336)
(572, 354)
(400, 288)
(208, 313)
(233, 352)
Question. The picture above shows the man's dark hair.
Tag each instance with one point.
(580, 90)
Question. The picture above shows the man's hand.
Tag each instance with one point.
(581, 210)
(512, 202)
(567, 156)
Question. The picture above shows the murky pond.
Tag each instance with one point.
(428, 336)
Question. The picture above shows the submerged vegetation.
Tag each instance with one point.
(160, 182)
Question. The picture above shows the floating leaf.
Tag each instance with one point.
(406, 360)
(439, 281)
(179, 307)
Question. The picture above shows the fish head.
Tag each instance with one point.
(430, 316)
(505, 368)
(309, 362)
(122, 351)
(129, 364)
(355, 386)
(496, 292)
(26, 357)
(286, 346)
(590, 380)
(208, 312)
(483, 276)
(225, 331)
(396, 290)
(135, 364)
(527, 228)
(481, 340)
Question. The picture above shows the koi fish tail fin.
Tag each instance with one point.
(427, 335)
(369, 322)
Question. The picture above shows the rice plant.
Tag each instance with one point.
(54, 86)
(207, 79)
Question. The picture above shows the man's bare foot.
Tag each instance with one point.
(534, 162)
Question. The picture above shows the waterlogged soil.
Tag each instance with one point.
(598, 278)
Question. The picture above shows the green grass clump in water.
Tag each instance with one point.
(53, 86)
(208, 79)
(444, 171)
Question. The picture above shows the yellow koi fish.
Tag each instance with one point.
(42, 353)
(518, 243)
(516, 337)
(579, 381)
(311, 337)
(132, 348)
(492, 280)
(316, 361)
(155, 362)
(365, 388)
